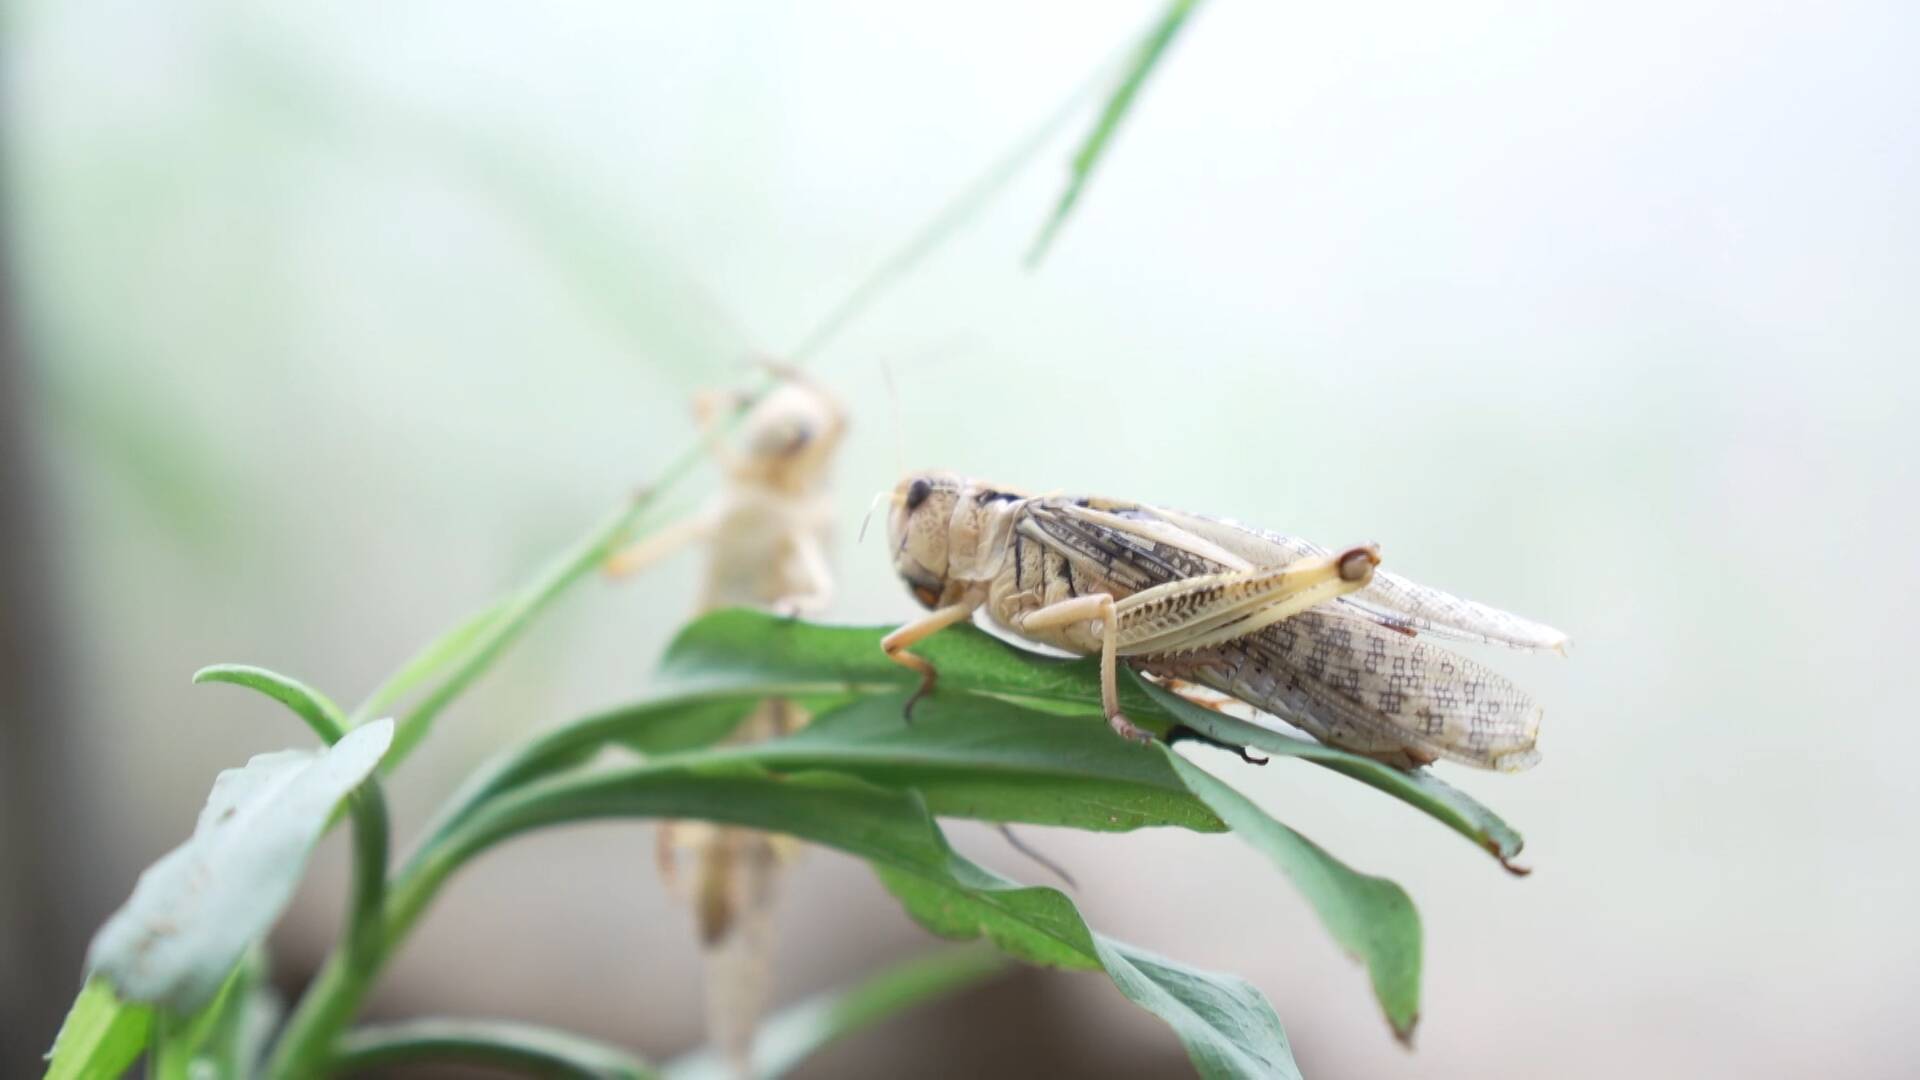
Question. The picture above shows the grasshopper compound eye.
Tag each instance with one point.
(917, 493)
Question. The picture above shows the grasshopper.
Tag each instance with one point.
(765, 533)
(1321, 639)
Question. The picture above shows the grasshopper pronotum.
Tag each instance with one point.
(1321, 640)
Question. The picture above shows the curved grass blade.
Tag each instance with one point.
(320, 713)
(800, 1031)
(946, 221)
(1153, 47)
(485, 1044)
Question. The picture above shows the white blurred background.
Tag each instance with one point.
(337, 319)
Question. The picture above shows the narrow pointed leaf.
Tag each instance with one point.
(1421, 790)
(951, 895)
(101, 1037)
(1225, 1022)
(995, 761)
(322, 715)
(966, 755)
(745, 650)
(1153, 48)
(1372, 918)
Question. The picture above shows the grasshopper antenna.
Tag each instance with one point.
(1020, 846)
(871, 503)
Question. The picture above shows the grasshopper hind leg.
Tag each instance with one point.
(1097, 608)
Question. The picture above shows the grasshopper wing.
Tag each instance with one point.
(1344, 673)
(1390, 600)
(1355, 684)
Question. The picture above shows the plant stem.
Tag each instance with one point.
(334, 995)
(364, 937)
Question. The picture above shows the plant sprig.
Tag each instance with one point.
(179, 973)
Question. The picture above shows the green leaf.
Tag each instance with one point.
(1153, 47)
(322, 715)
(1225, 1023)
(968, 756)
(200, 906)
(1444, 803)
(743, 650)
(1228, 1029)
(1032, 923)
(799, 1031)
(665, 726)
(1372, 918)
(485, 1044)
(974, 757)
(101, 1036)
(368, 804)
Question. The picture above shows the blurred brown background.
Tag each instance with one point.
(326, 324)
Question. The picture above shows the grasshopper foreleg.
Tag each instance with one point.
(895, 645)
(650, 549)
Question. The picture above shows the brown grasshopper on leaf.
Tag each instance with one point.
(1322, 640)
(765, 533)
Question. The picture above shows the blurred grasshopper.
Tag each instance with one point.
(1319, 639)
(766, 535)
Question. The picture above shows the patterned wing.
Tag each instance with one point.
(1355, 684)
(1345, 673)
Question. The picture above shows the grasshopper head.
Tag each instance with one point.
(918, 527)
(787, 439)
(949, 534)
